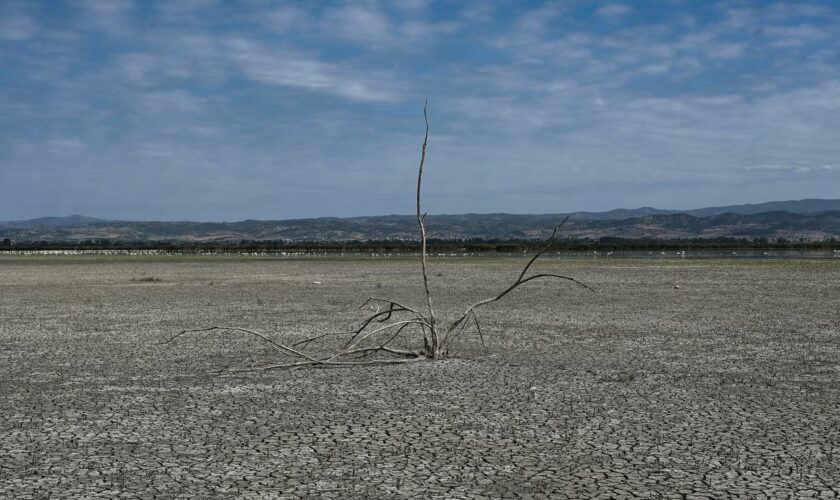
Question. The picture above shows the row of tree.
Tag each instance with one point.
(434, 245)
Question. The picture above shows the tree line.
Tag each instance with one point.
(472, 245)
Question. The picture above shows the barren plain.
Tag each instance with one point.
(677, 379)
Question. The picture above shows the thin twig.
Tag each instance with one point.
(279, 347)
(365, 350)
(388, 301)
(377, 330)
(478, 327)
(519, 281)
(545, 246)
(309, 340)
(333, 364)
(550, 275)
(394, 336)
(388, 313)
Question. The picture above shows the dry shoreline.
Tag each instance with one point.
(727, 385)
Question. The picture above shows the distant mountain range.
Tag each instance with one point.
(804, 207)
(812, 220)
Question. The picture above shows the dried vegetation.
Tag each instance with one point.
(391, 324)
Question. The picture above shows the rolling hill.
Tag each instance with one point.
(812, 220)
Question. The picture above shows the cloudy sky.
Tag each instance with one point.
(223, 110)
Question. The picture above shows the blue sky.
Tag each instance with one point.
(216, 110)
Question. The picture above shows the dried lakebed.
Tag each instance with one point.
(679, 379)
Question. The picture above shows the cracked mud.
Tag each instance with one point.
(678, 379)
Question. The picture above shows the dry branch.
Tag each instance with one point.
(470, 311)
(431, 341)
(391, 320)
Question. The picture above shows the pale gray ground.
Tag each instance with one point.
(726, 386)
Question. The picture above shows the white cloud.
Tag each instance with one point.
(420, 32)
(724, 50)
(370, 26)
(112, 16)
(736, 18)
(535, 21)
(555, 112)
(654, 145)
(413, 5)
(284, 18)
(65, 145)
(299, 70)
(798, 169)
(17, 26)
(795, 36)
(786, 11)
(614, 10)
(478, 12)
(655, 69)
(185, 6)
(359, 23)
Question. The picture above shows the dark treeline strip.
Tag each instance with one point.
(435, 245)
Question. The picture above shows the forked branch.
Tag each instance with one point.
(520, 280)
(339, 358)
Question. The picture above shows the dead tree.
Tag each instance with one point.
(391, 323)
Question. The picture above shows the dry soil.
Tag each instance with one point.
(677, 379)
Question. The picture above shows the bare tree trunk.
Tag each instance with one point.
(431, 340)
